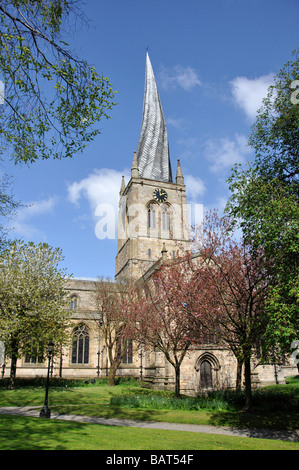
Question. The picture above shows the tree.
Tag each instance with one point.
(275, 133)
(269, 217)
(264, 203)
(162, 311)
(34, 306)
(53, 100)
(112, 302)
(7, 208)
(231, 286)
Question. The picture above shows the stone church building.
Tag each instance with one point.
(152, 222)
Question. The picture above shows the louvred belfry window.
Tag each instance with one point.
(151, 217)
(165, 219)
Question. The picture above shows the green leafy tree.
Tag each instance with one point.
(52, 100)
(264, 203)
(8, 206)
(275, 133)
(34, 305)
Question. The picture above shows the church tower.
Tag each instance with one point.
(153, 216)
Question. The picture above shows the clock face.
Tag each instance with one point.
(160, 195)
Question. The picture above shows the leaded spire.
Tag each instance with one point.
(153, 150)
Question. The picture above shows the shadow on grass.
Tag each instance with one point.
(25, 433)
(285, 423)
(108, 412)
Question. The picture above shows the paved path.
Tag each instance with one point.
(257, 433)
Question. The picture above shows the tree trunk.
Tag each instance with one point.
(13, 370)
(112, 372)
(239, 375)
(248, 394)
(177, 381)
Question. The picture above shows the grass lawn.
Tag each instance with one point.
(22, 433)
(18, 432)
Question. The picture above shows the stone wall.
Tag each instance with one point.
(154, 368)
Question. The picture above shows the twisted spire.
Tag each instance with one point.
(153, 149)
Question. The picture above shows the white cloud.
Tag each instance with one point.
(195, 187)
(178, 123)
(179, 76)
(249, 93)
(100, 187)
(21, 225)
(224, 153)
(36, 208)
(101, 190)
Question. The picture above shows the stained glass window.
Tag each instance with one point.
(80, 347)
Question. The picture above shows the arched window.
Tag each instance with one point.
(125, 350)
(151, 217)
(35, 355)
(80, 346)
(74, 302)
(127, 347)
(165, 218)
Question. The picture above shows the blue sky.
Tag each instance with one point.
(213, 61)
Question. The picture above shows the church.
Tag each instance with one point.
(152, 224)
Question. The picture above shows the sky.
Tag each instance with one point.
(213, 62)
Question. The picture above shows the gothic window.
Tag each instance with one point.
(165, 218)
(125, 349)
(80, 346)
(128, 356)
(208, 336)
(35, 356)
(151, 217)
(74, 302)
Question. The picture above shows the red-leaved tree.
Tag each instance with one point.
(115, 302)
(231, 286)
(162, 312)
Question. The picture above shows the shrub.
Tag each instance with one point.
(58, 382)
(224, 400)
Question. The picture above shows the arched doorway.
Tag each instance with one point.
(207, 367)
(206, 374)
